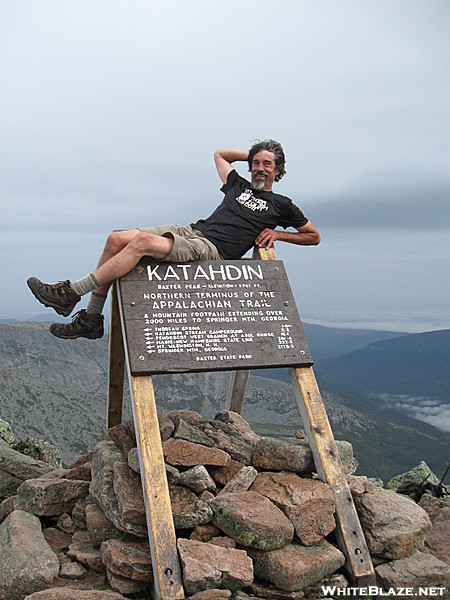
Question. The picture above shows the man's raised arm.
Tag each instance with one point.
(224, 160)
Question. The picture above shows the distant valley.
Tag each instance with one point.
(57, 390)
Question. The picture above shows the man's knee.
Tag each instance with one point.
(117, 240)
(151, 244)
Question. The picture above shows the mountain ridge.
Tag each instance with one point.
(58, 389)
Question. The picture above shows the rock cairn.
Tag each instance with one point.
(252, 520)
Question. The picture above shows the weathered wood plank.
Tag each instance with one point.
(161, 531)
(328, 464)
(116, 371)
(239, 379)
(329, 468)
(236, 390)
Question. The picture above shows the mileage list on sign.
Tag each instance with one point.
(210, 315)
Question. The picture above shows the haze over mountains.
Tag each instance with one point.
(372, 384)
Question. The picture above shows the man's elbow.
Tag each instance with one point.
(317, 239)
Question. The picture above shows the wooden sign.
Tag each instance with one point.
(210, 315)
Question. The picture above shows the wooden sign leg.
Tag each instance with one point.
(329, 468)
(236, 390)
(116, 364)
(349, 533)
(163, 544)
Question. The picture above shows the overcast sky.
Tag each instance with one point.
(111, 111)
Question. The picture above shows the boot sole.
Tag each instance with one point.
(76, 336)
(89, 336)
(64, 312)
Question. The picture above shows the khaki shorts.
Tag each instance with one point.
(188, 244)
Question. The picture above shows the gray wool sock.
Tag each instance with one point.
(95, 304)
(85, 285)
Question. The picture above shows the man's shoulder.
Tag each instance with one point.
(279, 198)
(234, 180)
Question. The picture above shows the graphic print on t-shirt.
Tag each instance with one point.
(247, 199)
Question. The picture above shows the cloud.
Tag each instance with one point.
(389, 201)
(433, 411)
(440, 419)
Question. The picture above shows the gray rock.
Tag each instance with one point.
(57, 539)
(214, 594)
(437, 541)
(99, 527)
(394, 525)
(252, 520)
(418, 473)
(187, 509)
(417, 570)
(308, 503)
(269, 592)
(242, 481)
(7, 506)
(40, 450)
(72, 570)
(130, 500)
(191, 430)
(237, 426)
(79, 513)
(133, 460)
(50, 497)
(124, 585)
(83, 550)
(6, 433)
(106, 455)
(101, 487)
(173, 474)
(358, 485)
(345, 450)
(130, 559)
(207, 566)
(65, 593)
(15, 468)
(28, 563)
(234, 437)
(123, 436)
(275, 454)
(197, 479)
(295, 567)
(166, 427)
(376, 481)
(187, 454)
(65, 523)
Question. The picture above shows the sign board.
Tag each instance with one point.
(210, 315)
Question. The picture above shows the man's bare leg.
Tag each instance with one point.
(121, 253)
(123, 250)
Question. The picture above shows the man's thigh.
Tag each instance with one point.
(187, 244)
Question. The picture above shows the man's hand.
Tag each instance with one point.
(267, 236)
(307, 235)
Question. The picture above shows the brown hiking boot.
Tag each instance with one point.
(59, 296)
(83, 324)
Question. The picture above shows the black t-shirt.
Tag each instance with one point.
(243, 214)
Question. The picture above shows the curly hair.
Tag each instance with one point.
(271, 146)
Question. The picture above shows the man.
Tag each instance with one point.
(248, 215)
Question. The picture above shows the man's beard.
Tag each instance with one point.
(259, 184)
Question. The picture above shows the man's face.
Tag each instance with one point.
(263, 171)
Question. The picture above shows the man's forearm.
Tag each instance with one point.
(305, 236)
(300, 238)
(231, 155)
(224, 158)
